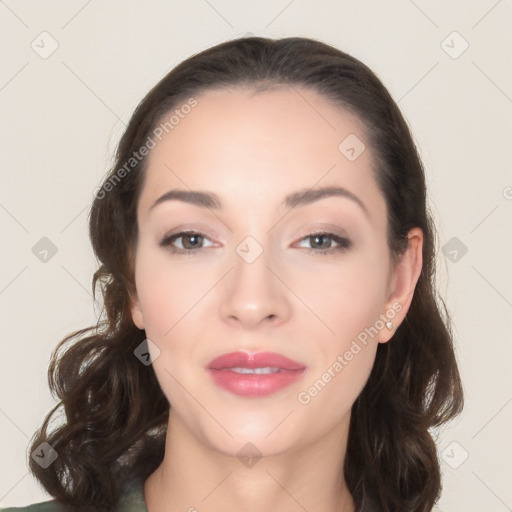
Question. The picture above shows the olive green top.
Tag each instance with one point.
(132, 500)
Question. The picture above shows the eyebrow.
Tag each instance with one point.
(300, 198)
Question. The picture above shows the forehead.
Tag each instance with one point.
(258, 146)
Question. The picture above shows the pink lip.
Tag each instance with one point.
(254, 385)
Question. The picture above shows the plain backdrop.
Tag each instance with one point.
(72, 72)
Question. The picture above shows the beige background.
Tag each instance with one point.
(63, 114)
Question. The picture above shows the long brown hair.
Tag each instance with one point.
(115, 413)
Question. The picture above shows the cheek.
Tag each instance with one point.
(169, 292)
(170, 296)
(330, 394)
(347, 300)
(346, 296)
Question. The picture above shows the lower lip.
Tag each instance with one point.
(253, 385)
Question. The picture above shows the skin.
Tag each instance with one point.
(252, 150)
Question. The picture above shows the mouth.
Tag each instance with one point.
(254, 375)
(256, 371)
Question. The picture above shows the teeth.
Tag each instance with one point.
(258, 371)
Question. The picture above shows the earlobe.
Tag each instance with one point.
(406, 274)
(136, 311)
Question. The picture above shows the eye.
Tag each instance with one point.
(322, 243)
(187, 242)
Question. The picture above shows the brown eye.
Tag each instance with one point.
(322, 243)
(191, 241)
(184, 242)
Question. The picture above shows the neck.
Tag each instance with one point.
(194, 477)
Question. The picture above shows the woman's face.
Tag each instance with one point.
(273, 267)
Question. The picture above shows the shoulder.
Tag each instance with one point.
(44, 506)
(132, 500)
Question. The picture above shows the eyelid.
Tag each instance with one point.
(167, 239)
(341, 239)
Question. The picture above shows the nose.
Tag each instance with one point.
(254, 294)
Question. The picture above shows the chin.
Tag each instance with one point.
(266, 430)
(254, 446)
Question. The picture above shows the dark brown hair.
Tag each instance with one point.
(115, 413)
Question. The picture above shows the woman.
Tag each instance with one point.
(272, 337)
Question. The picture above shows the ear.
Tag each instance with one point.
(405, 276)
(136, 310)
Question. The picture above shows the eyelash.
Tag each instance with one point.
(344, 243)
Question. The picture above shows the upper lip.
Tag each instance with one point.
(256, 360)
